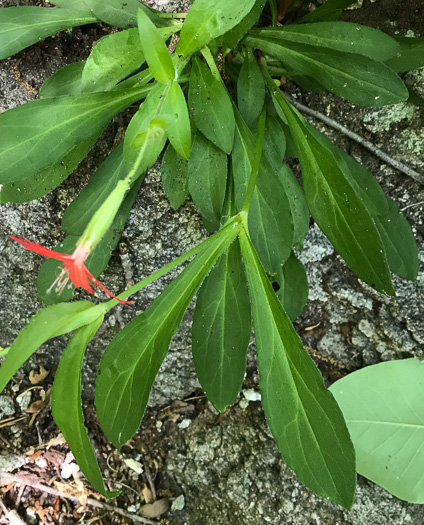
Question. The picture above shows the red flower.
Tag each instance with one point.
(74, 268)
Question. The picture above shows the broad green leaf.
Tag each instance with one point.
(66, 406)
(383, 408)
(174, 177)
(41, 183)
(62, 123)
(119, 13)
(131, 361)
(21, 27)
(270, 219)
(331, 10)
(399, 242)
(74, 5)
(207, 20)
(303, 416)
(250, 90)
(334, 36)
(337, 207)
(51, 322)
(409, 56)
(113, 58)
(293, 286)
(136, 152)
(211, 106)
(66, 81)
(154, 49)
(221, 329)
(179, 132)
(231, 38)
(353, 77)
(207, 179)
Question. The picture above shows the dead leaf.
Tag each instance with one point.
(156, 509)
(36, 407)
(282, 6)
(147, 494)
(37, 378)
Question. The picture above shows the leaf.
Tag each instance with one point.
(293, 287)
(66, 81)
(383, 408)
(119, 13)
(303, 416)
(211, 106)
(334, 36)
(399, 242)
(221, 329)
(62, 123)
(154, 49)
(66, 406)
(76, 5)
(409, 56)
(113, 58)
(231, 38)
(51, 322)
(131, 361)
(336, 206)
(21, 27)
(207, 176)
(270, 219)
(250, 90)
(39, 184)
(331, 10)
(179, 132)
(174, 177)
(353, 77)
(207, 20)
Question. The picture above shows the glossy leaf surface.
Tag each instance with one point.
(302, 414)
(410, 54)
(293, 287)
(250, 90)
(174, 177)
(178, 131)
(221, 329)
(331, 10)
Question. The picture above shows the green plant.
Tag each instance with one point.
(227, 122)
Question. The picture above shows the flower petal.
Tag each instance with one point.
(37, 248)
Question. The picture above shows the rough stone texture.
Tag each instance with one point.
(231, 472)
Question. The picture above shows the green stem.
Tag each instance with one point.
(256, 161)
(207, 55)
(170, 266)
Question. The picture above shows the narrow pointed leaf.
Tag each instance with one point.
(211, 106)
(207, 172)
(154, 49)
(132, 360)
(302, 414)
(62, 123)
(174, 177)
(293, 287)
(383, 408)
(232, 37)
(331, 10)
(51, 322)
(179, 132)
(23, 26)
(66, 406)
(250, 90)
(221, 329)
(207, 20)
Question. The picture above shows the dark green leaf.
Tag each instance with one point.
(221, 329)
(66, 406)
(174, 177)
(331, 10)
(51, 322)
(353, 77)
(334, 36)
(302, 415)
(179, 132)
(154, 49)
(22, 26)
(119, 13)
(207, 20)
(131, 361)
(270, 219)
(383, 407)
(207, 176)
(409, 56)
(66, 81)
(113, 58)
(293, 287)
(211, 106)
(399, 242)
(60, 123)
(337, 207)
(250, 90)
(231, 38)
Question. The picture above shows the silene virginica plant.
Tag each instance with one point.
(208, 86)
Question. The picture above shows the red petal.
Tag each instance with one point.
(37, 248)
(99, 284)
